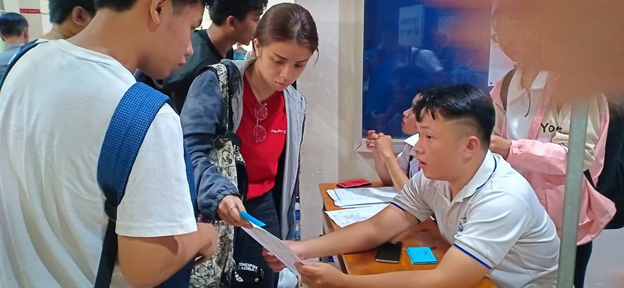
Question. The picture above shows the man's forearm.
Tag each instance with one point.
(353, 238)
(399, 179)
(380, 167)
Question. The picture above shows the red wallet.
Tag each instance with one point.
(354, 183)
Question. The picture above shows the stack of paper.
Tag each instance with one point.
(346, 217)
(349, 198)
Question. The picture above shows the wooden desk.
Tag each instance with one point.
(425, 234)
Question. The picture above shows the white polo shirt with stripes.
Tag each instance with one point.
(495, 219)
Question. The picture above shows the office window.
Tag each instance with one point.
(408, 46)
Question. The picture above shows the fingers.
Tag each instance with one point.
(310, 269)
(201, 260)
(275, 264)
(370, 144)
(237, 220)
(229, 211)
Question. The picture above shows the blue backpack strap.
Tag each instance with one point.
(124, 137)
(17, 56)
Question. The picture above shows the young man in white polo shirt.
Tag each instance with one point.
(487, 210)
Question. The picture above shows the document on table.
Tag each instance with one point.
(276, 246)
(362, 196)
(346, 217)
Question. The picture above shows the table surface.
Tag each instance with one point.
(425, 234)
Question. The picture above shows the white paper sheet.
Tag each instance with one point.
(362, 196)
(276, 246)
(346, 217)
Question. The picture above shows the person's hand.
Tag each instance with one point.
(370, 139)
(210, 235)
(500, 145)
(229, 211)
(384, 145)
(320, 275)
(277, 265)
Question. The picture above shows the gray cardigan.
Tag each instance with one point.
(200, 119)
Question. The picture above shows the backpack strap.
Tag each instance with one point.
(17, 56)
(505, 86)
(124, 137)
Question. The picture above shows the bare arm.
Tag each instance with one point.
(361, 236)
(399, 179)
(381, 168)
(147, 262)
(456, 269)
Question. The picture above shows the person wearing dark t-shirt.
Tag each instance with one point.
(233, 21)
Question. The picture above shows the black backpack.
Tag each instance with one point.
(611, 179)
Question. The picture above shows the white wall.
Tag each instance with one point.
(333, 90)
(37, 23)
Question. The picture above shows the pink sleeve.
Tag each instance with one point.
(535, 156)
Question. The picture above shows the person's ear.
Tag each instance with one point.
(81, 17)
(156, 9)
(26, 35)
(230, 23)
(473, 145)
(256, 47)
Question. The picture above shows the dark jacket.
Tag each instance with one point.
(177, 85)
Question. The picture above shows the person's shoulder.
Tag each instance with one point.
(420, 183)
(508, 185)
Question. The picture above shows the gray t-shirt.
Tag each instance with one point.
(6, 56)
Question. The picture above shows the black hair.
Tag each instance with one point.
(459, 102)
(220, 10)
(124, 5)
(288, 22)
(60, 9)
(12, 24)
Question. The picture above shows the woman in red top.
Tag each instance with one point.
(268, 118)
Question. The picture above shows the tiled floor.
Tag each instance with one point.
(606, 267)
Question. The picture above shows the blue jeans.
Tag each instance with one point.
(251, 268)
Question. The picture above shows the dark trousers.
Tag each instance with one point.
(251, 268)
(583, 253)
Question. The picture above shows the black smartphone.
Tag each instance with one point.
(389, 252)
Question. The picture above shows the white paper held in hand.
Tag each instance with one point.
(276, 246)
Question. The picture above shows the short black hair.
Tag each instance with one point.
(60, 9)
(12, 24)
(123, 5)
(459, 102)
(220, 10)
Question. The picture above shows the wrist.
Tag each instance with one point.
(344, 280)
(388, 154)
(303, 251)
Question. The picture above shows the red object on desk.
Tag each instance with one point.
(354, 183)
